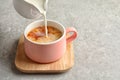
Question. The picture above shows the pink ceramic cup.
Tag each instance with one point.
(47, 52)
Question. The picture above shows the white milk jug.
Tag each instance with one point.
(27, 10)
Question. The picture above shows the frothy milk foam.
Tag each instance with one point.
(41, 5)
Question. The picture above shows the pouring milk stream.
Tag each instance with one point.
(41, 5)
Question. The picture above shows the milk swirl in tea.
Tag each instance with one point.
(38, 34)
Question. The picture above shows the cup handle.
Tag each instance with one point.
(73, 36)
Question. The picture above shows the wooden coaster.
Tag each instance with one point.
(24, 64)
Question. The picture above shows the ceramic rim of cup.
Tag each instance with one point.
(55, 22)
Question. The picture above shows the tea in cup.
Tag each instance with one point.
(38, 34)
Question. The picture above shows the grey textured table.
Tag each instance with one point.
(97, 53)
